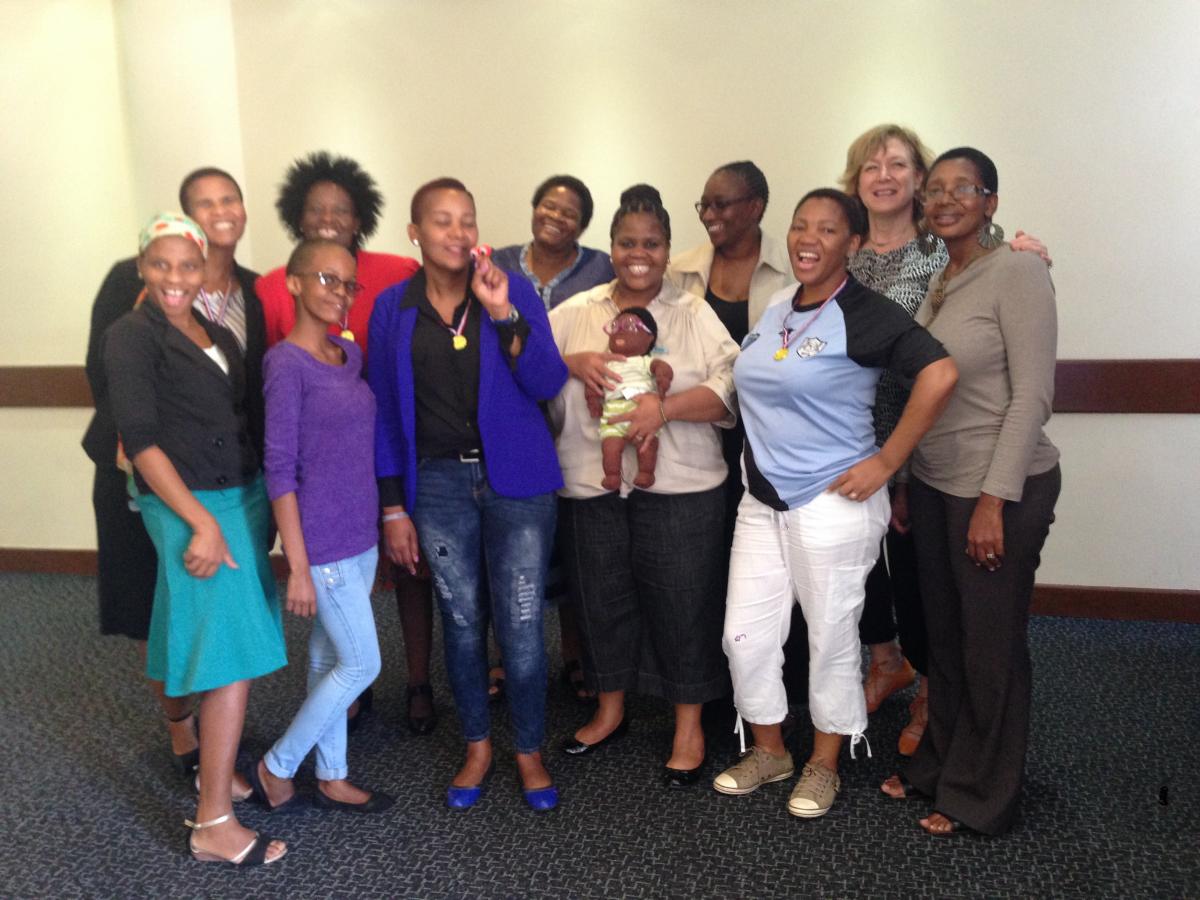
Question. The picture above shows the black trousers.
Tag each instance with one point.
(126, 560)
(972, 757)
(643, 574)
(893, 584)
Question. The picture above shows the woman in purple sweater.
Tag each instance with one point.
(321, 480)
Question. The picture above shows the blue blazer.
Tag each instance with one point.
(518, 450)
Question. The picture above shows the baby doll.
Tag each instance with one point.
(631, 334)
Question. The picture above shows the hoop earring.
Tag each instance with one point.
(990, 236)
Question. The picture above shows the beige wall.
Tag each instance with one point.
(1092, 120)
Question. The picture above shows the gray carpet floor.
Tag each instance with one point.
(93, 808)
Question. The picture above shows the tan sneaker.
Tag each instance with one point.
(815, 792)
(756, 768)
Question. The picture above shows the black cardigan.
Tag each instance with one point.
(166, 392)
(116, 297)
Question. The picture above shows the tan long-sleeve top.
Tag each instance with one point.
(999, 323)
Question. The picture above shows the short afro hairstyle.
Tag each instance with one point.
(576, 187)
(340, 170)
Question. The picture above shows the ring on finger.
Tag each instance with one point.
(989, 555)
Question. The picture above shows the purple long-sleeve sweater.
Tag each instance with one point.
(320, 445)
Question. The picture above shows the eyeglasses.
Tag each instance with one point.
(629, 324)
(331, 281)
(719, 205)
(959, 192)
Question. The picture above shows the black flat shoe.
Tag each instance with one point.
(420, 725)
(186, 764)
(292, 803)
(379, 802)
(682, 778)
(574, 747)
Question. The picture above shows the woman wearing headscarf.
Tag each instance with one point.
(177, 384)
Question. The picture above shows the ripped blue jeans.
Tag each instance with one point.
(467, 531)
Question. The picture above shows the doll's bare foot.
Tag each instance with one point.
(643, 480)
(611, 482)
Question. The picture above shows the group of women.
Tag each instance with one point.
(469, 454)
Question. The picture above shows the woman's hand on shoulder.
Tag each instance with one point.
(490, 284)
(206, 551)
(1027, 243)
(301, 595)
(591, 367)
(400, 542)
(863, 479)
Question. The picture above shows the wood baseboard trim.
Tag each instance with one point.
(1075, 601)
(1114, 386)
(76, 562)
(1126, 604)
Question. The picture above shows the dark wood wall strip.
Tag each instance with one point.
(1081, 386)
(1076, 601)
(1129, 604)
(1127, 386)
(44, 386)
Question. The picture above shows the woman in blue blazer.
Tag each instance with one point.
(459, 357)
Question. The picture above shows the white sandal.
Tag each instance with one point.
(254, 854)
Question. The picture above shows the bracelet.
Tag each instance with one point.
(662, 411)
(394, 516)
(510, 319)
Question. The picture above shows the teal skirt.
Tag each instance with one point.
(206, 633)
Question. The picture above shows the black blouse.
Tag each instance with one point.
(166, 392)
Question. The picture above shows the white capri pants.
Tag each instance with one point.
(819, 554)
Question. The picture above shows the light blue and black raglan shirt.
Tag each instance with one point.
(808, 416)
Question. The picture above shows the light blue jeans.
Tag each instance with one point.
(343, 659)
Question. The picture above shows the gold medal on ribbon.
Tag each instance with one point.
(348, 334)
(781, 354)
(459, 342)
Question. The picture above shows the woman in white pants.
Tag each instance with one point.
(810, 524)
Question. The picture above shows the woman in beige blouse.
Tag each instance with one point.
(644, 565)
(984, 481)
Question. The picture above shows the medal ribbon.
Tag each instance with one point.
(787, 335)
(458, 340)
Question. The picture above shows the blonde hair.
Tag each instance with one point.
(871, 142)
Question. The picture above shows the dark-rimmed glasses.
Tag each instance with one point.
(333, 282)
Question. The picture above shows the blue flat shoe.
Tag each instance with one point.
(541, 799)
(463, 798)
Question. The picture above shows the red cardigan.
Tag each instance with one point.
(376, 271)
